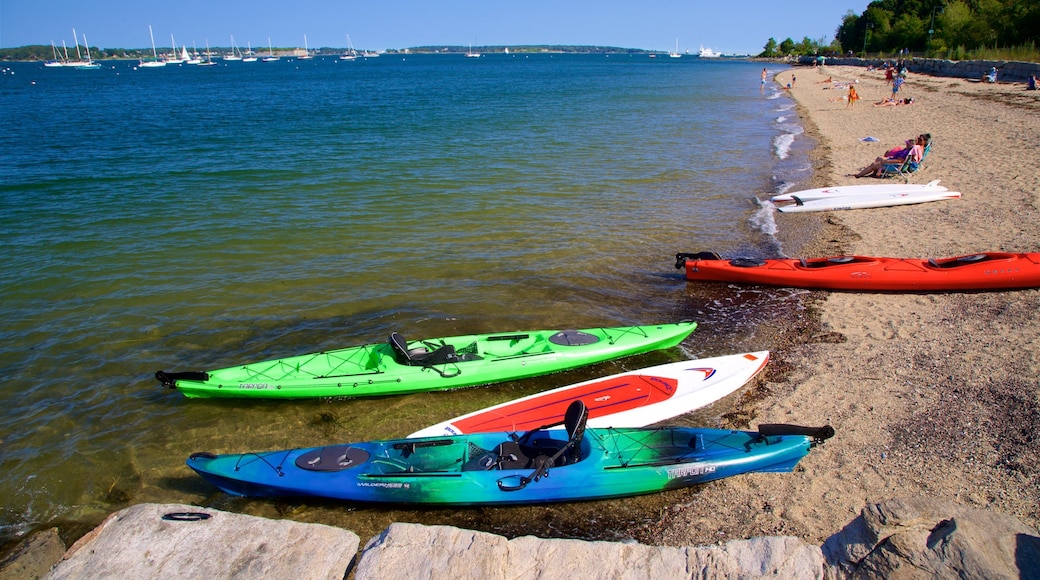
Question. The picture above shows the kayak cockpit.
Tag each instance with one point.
(835, 261)
(968, 260)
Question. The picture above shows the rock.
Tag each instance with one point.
(911, 538)
(138, 542)
(415, 551)
(898, 538)
(34, 557)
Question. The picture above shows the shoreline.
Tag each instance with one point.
(931, 395)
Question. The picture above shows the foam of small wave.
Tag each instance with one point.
(782, 145)
(783, 187)
(764, 218)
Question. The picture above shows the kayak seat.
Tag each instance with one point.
(512, 455)
(420, 356)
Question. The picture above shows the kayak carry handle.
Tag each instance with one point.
(681, 257)
(521, 482)
(818, 434)
(170, 379)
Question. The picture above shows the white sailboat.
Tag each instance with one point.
(155, 62)
(306, 50)
(194, 57)
(472, 54)
(57, 62)
(79, 56)
(249, 56)
(350, 54)
(235, 53)
(89, 64)
(271, 56)
(172, 58)
(676, 54)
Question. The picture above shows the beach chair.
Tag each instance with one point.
(907, 167)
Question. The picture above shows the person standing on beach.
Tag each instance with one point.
(897, 83)
(852, 98)
(763, 76)
(793, 79)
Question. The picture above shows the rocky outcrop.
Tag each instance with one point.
(33, 557)
(899, 538)
(909, 538)
(180, 541)
(414, 551)
(967, 69)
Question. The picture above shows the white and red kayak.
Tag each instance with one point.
(856, 190)
(632, 399)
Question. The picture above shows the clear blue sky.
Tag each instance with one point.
(730, 26)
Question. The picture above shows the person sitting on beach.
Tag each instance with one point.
(827, 80)
(990, 77)
(1031, 83)
(896, 156)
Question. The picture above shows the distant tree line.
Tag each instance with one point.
(939, 28)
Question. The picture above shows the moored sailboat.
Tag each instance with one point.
(154, 62)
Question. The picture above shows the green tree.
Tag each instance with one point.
(806, 47)
(787, 46)
(769, 50)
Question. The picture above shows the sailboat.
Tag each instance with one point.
(271, 56)
(351, 54)
(676, 54)
(155, 62)
(57, 62)
(194, 58)
(79, 56)
(249, 56)
(172, 58)
(472, 54)
(89, 64)
(235, 53)
(209, 58)
(306, 50)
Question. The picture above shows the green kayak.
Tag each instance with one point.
(400, 366)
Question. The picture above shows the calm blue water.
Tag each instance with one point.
(186, 218)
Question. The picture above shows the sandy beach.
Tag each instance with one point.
(931, 395)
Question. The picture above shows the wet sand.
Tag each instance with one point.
(932, 395)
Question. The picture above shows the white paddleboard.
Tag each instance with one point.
(842, 190)
(870, 200)
(632, 399)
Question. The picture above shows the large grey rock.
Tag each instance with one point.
(34, 557)
(922, 538)
(415, 551)
(138, 543)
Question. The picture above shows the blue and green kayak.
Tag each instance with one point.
(507, 468)
(399, 366)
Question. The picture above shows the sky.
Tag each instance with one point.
(729, 26)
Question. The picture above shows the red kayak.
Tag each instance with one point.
(986, 271)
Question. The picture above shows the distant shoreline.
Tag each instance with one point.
(44, 53)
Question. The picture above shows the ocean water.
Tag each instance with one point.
(186, 218)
